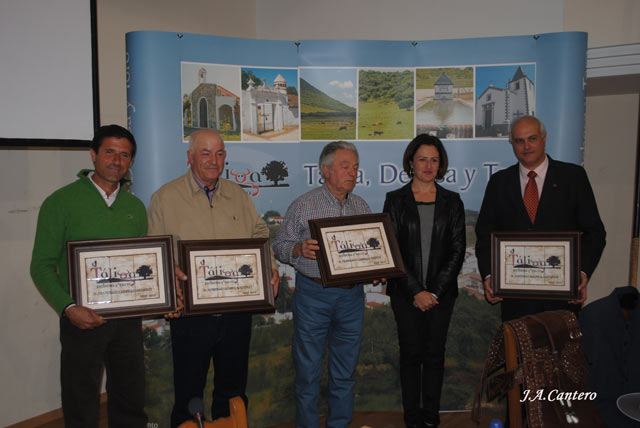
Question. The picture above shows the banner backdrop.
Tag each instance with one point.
(277, 103)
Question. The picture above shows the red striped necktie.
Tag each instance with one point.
(531, 196)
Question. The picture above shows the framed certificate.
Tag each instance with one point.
(227, 275)
(125, 277)
(356, 249)
(535, 265)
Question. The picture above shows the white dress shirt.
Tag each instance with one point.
(541, 172)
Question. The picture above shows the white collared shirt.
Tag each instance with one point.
(108, 199)
(541, 173)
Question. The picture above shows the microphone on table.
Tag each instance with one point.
(196, 409)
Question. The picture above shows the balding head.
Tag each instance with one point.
(204, 135)
(528, 140)
(531, 119)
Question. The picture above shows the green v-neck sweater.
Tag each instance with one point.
(72, 213)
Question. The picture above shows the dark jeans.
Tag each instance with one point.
(195, 342)
(422, 337)
(116, 344)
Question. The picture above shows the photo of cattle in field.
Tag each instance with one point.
(385, 104)
(444, 102)
(328, 103)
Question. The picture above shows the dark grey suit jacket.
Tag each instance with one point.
(567, 203)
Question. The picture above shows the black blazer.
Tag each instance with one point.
(567, 204)
(448, 242)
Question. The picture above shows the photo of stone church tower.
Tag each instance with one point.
(497, 108)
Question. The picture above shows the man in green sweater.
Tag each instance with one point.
(93, 207)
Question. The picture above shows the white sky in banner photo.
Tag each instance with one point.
(338, 83)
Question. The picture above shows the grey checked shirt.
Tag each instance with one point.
(317, 203)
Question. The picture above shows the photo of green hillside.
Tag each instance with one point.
(325, 114)
(385, 105)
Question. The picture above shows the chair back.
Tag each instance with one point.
(237, 417)
(544, 369)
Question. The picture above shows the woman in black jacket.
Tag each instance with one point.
(429, 225)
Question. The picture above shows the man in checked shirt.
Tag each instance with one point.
(320, 312)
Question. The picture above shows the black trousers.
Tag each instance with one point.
(422, 337)
(116, 344)
(195, 342)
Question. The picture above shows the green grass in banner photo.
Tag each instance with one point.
(270, 387)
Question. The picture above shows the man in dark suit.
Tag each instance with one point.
(538, 194)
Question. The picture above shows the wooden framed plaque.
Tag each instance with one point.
(356, 249)
(227, 275)
(124, 277)
(535, 265)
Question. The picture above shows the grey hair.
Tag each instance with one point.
(193, 138)
(328, 152)
(543, 130)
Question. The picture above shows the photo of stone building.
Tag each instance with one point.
(444, 102)
(503, 100)
(269, 112)
(212, 103)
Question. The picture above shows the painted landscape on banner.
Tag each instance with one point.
(277, 103)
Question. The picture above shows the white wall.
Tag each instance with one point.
(30, 362)
(610, 161)
(45, 92)
(610, 137)
(29, 327)
(405, 19)
(117, 17)
(609, 23)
